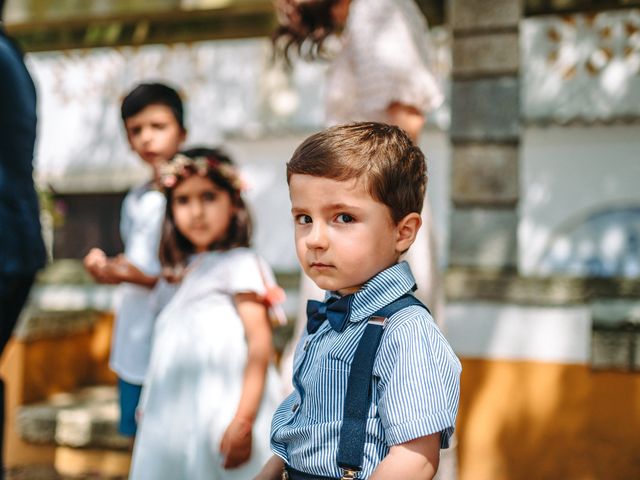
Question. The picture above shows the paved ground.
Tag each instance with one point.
(48, 473)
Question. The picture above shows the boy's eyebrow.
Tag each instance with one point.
(330, 207)
(341, 206)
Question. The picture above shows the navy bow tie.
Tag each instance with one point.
(336, 310)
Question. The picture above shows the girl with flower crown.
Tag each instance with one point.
(211, 388)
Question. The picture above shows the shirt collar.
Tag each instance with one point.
(380, 290)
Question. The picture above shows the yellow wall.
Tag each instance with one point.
(522, 420)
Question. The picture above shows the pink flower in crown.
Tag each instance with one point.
(169, 181)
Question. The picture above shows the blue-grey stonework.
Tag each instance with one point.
(473, 15)
(486, 54)
(485, 133)
(483, 238)
(485, 109)
(485, 174)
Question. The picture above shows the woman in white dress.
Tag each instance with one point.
(379, 71)
(211, 389)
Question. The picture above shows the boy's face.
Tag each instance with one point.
(343, 236)
(154, 134)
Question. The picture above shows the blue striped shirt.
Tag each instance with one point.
(415, 383)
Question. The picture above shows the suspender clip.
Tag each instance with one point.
(348, 474)
(382, 321)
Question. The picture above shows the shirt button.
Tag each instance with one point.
(295, 407)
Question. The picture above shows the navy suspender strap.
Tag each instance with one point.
(358, 397)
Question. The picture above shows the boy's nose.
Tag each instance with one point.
(317, 237)
(146, 135)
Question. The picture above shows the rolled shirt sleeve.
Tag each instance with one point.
(418, 379)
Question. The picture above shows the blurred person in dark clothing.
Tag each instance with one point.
(22, 251)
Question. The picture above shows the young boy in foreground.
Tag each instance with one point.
(356, 193)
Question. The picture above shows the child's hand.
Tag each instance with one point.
(94, 257)
(235, 445)
(121, 267)
(104, 269)
(94, 262)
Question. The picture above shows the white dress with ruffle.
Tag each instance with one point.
(195, 376)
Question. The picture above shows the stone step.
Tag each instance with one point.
(86, 418)
(76, 464)
(32, 472)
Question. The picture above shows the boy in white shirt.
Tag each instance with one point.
(153, 119)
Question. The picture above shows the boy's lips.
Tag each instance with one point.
(320, 265)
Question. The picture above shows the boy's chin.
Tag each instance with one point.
(322, 283)
(333, 286)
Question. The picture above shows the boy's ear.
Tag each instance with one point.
(407, 230)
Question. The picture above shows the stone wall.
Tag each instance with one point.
(485, 131)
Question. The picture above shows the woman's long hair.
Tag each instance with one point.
(303, 25)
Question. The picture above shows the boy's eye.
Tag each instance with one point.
(344, 218)
(159, 126)
(302, 219)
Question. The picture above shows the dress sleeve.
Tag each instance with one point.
(390, 56)
(161, 295)
(247, 272)
(419, 379)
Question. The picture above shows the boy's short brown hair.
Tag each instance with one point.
(383, 156)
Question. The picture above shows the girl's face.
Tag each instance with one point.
(202, 211)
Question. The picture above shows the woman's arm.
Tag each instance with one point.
(408, 118)
(272, 470)
(417, 459)
(236, 441)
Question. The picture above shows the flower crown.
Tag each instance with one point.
(181, 167)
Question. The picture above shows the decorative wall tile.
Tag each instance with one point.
(582, 67)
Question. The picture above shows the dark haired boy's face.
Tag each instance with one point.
(343, 235)
(154, 134)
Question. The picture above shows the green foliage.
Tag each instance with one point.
(51, 207)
